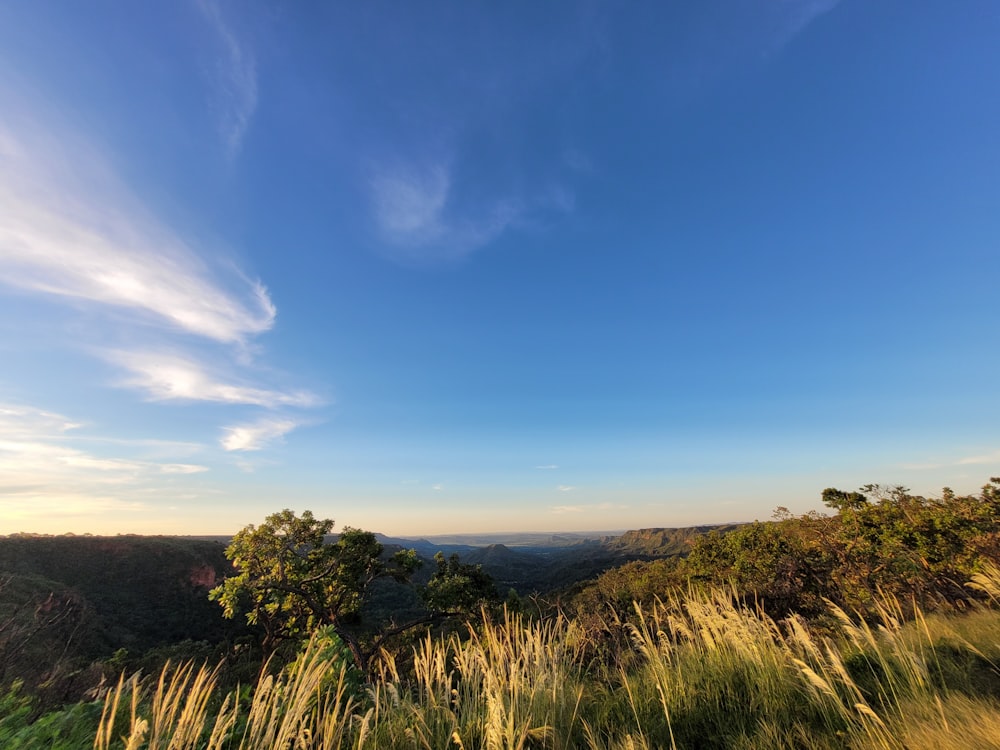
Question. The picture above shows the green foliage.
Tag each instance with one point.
(67, 604)
(459, 586)
(290, 579)
(838, 500)
(132, 591)
(339, 669)
(706, 673)
(34, 613)
(905, 544)
(665, 542)
(760, 560)
(68, 728)
(730, 663)
(883, 540)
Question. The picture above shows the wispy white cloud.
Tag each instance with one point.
(978, 460)
(244, 464)
(438, 487)
(548, 467)
(798, 14)
(69, 229)
(17, 420)
(601, 507)
(34, 441)
(73, 233)
(44, 473)
(256, 435)
(152, 448)
(28, 506)
(168, 377)
(989, 458)
(182, 469)
(413, 211)
(565, 488)
(235, 80)
(409, 205)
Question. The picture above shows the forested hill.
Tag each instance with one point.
(541, 568)
(72, 602)
(86, 597)
(693, 617)
(662, 542)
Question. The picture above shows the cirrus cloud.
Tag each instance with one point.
(170, 377)
(70, 229)
(256, 435)
(72, 232)
(235, 79)
(414, 213)
(45, 473)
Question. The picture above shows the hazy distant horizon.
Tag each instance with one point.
(471, 539)
(445, 266)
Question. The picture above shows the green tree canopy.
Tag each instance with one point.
(459, 586)
(290, 579)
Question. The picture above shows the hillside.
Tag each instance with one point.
(882, 553)
(542, 562)
(66, 601)
(539, 568)
(662, 542)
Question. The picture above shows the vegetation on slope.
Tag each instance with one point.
(70, 602)
(880, 540)
(701, 671)
(875, 627)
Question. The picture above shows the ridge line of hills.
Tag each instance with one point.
(99, 597)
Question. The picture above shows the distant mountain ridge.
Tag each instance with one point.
(541, 562)
(546, 539)
(137, 593)
(664, 541)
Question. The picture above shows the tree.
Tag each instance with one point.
(459, 586)
(290, 579)
(759, 559)
(886, 540)
(843, 501)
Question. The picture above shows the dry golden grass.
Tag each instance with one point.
(705, 672)
(288, 711)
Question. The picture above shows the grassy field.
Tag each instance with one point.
(695, 671)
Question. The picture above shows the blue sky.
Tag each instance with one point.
(446, 267)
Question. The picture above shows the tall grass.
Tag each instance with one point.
(703, 671)
(298, 708)
(507, 686)
(719, 675)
